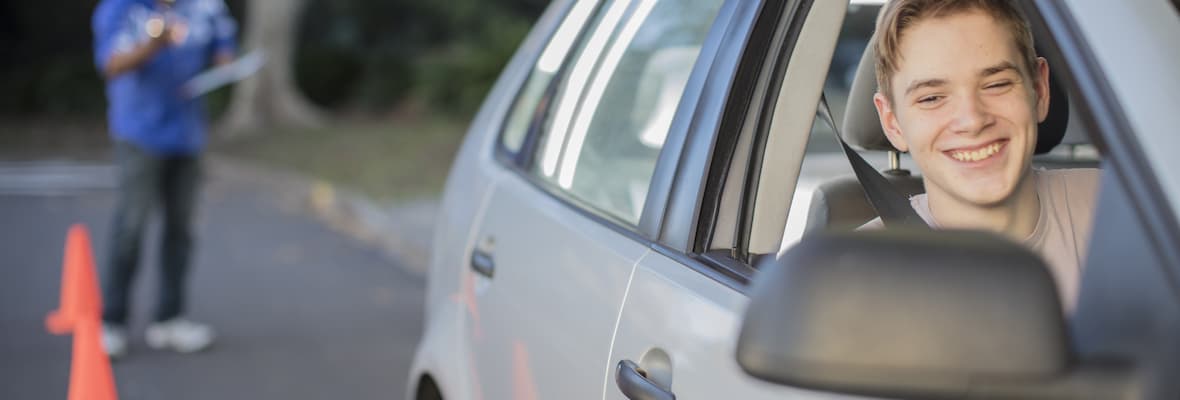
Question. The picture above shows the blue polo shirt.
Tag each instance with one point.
(146, 106)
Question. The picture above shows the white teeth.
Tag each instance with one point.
(977, 155)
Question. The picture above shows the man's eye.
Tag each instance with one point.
(999, 85)
(928, 100)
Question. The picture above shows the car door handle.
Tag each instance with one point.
(634, 384)
(481, 262)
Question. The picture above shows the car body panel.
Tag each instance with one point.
(694, 321)
(1149, 104)
(681, 324)
(440, 353)
(560, 261)
(555, 268)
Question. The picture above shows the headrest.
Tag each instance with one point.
(862, 128)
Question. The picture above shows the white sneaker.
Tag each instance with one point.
(180, 335)
(114, 340)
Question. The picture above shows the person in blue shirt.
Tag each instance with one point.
(146, 50)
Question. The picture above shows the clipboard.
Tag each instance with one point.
(222, 75)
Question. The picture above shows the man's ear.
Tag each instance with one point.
(1042, 88)
(889, 122)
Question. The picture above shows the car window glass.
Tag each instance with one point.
(546, 68)
(616, 101)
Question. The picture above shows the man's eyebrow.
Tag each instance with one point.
(998, 68)
(924, 83)
(989, 71)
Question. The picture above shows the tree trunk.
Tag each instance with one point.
(270, 98)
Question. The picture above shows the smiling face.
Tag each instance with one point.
(965, 107)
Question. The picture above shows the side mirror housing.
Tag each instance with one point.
(923, 314)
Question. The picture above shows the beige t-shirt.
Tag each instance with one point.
(1067, 200)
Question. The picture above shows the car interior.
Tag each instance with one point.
(880, 313)
(841, 204)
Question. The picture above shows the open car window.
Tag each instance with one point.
(828, 197)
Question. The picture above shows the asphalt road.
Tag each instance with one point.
(301, 312)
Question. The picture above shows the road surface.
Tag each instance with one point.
(301, 312)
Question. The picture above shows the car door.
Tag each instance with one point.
(1129, 301)
(560, 234)
(677, 330)
(677, 327)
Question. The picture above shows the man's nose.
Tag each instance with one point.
(971, 116)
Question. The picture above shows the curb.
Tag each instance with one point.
(402, 232)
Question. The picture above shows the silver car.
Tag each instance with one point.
(643, 168)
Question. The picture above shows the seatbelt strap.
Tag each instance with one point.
(893, 207)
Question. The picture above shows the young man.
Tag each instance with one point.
(961, 89)
(146, 50)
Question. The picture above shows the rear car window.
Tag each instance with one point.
(531, 96)
(616, 102)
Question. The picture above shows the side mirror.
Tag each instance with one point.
(911, 314)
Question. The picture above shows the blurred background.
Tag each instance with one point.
(376, 75)
(316, 207)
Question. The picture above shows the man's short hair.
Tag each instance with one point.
(897, 15)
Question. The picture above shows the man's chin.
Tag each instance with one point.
(985, 198)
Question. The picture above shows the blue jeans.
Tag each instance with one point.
(146, 182)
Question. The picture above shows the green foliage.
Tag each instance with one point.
(457, 76)
(47, 66)
(387, 78)
(217, 101)
(366, 55)
(61, 85)
(327, 75)
(372, 55)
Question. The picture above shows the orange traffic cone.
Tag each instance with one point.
(80, 297)
(90, 370)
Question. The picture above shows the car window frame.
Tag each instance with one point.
(1105, 125)
(1141, 211)
(1110, 130)
(759, 114)
(652, 215)
(729, 105)
(521, 156)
